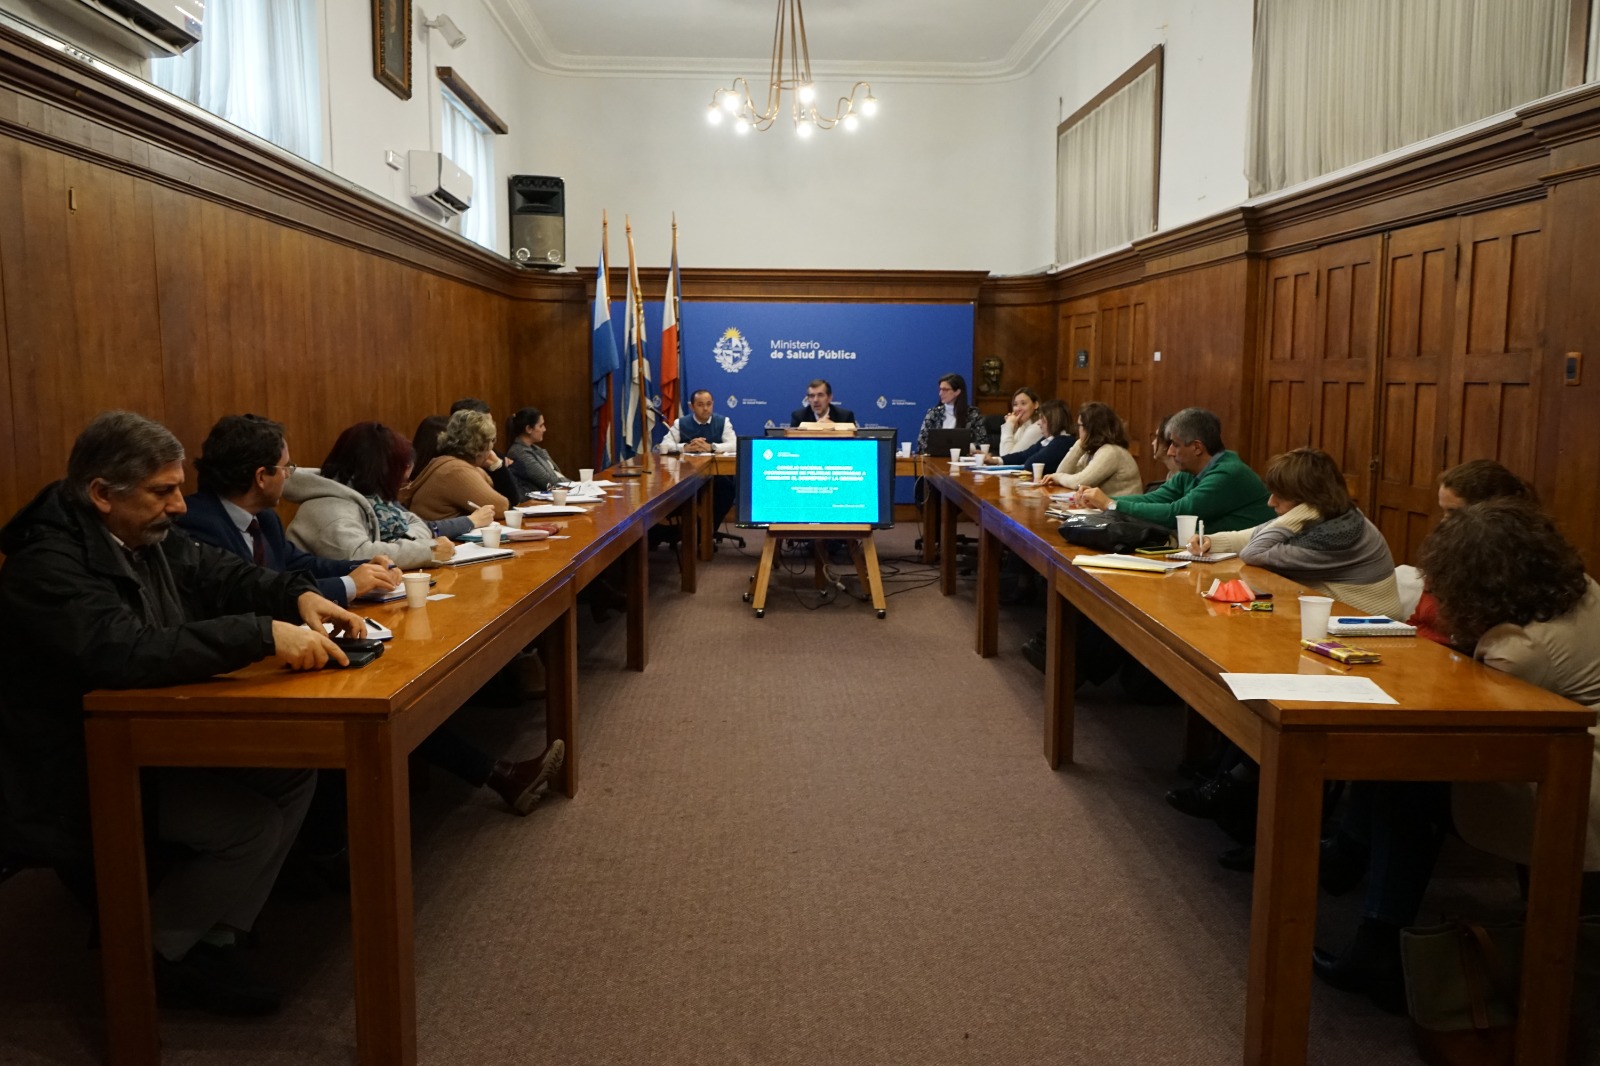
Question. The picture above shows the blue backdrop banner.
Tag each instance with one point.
(883, 360)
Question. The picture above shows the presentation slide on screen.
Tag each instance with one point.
(814, 481)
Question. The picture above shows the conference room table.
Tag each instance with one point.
(366, 722)
(1453, 720)
(727, 465)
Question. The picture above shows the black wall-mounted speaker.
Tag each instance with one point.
(538, 220)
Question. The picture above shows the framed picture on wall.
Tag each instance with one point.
(391, 45)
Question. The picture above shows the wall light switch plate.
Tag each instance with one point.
(394, 160)
(1158, 357)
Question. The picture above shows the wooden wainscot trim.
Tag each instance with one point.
(53, 100)
(1112, 270)
(1205, 242)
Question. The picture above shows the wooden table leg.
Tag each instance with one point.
(947, 546)
(1060, 677)
(381, 908)
(758, 595)
(559, 646)
(989, 552)
(638, 578)
(688, 543)
(931, 499)
(874, 577)
(125, 955)
(708, 529)
(1550, 939)
(1283, 909)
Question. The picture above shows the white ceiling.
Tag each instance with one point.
(933, 40)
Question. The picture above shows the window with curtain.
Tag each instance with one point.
(258, 68)
(1107, 165)
(467, 142)
(1333, 84)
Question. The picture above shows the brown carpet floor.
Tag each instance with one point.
(812, 838)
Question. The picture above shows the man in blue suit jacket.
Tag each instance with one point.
(243, 466)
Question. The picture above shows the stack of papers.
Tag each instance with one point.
(1129, 562)
(477, 553)
(548, 510)
(578, 495)
(507, 533)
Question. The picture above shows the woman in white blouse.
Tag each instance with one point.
(1100, 458)
(1022, 428)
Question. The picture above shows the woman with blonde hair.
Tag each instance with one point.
(1023, 427)
(456, 481)
(1100, 457)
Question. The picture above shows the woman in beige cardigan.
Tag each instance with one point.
(1100, 457)
(456, 482)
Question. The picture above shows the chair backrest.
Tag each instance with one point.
(994, 424)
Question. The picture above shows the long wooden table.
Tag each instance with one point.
(365, 721)
(1455, 720)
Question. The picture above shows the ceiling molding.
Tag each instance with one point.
(1055, 21)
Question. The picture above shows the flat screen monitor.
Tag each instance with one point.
(816, 481)
(940, 441)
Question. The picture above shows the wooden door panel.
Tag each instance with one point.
(1078, 335)
(1346, 421)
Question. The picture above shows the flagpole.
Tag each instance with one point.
(639, 351)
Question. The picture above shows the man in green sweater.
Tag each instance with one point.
(1221, 490)
(1211, 483)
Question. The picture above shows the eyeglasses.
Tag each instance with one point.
(287, 468)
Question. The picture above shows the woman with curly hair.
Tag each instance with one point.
(1510, 587)
(456, 482)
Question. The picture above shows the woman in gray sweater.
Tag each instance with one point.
(531, 466)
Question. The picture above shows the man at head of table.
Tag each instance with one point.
(1212, 483)
(820, 406)
(99, 590)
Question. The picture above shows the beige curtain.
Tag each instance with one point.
(1105, 173)
(1338, 81)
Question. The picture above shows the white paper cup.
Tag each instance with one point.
(585, 475)
(558, 495)
(1314, 611)
(491, 535)
(955, 456)
(1186, 527)
(416, 589)
(514, 519)
(905, 449)
(983, 449)
(1038, 471)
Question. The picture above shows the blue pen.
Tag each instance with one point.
(1365, 621)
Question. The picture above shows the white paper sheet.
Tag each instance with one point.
(1327, 688)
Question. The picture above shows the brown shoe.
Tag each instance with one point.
(518, 783)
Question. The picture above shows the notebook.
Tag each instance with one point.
(1213, 557)
(1369, 626)
(1129, 562)
(390, 595)
(477, 553)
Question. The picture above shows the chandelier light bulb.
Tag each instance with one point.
(869, 106)
(714, 115)
(741, 126)
(803, 129)
(730, 102)
(850, 122)
(807, 93)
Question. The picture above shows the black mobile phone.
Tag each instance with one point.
(359, 651)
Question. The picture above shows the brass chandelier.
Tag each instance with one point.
(790, 72)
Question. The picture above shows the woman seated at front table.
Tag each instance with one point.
(457, 481)
(531, 466)
(1320, 538)
(1511, 588)
(1100, 457)
(1323, 541)
(349, 510)
(952, 412)
(1050, 449)
(1022, 428)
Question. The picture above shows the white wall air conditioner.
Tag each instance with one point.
(438, 181)
(155, 28)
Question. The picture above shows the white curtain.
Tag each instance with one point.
(1338, 81)
(467, 143)
(1105, 173)
(257, 67)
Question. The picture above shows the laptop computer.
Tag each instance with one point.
(940, 441)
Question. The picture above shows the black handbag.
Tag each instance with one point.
(1109, 531)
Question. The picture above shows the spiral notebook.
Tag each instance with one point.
(1369, 626)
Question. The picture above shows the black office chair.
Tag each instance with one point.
(993, 424)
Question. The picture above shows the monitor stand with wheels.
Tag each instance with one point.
(863, 549)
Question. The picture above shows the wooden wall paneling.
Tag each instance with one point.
(10, 219)
(1080, 333)
(292, 363)
(1414, 360)
(1289, 344)
(549, 358)
(1346, 356)
(1023, 336)
(1494, 369)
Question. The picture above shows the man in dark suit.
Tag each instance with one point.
(820, 406)
(243, 467)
